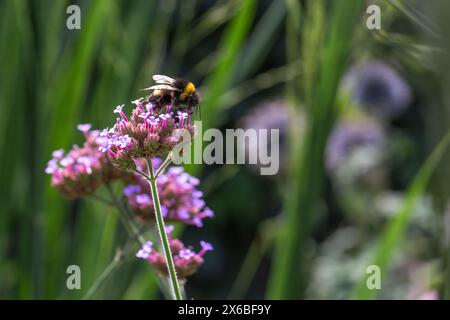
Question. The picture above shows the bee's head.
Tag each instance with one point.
(193, 99)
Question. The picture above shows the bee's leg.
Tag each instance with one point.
(166, 103)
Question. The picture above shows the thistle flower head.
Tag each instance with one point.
(186, 260)
(180, 199)
(83, 169)
(149, 132)
(379, 88)
(349, 135)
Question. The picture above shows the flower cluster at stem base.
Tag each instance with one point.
(186, 260)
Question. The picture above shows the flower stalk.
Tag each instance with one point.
(162, 233)
(132, 230)
(164, 165)
(118, 258)
(134, 236)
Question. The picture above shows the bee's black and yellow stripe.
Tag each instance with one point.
(188, 89)
(181, 94)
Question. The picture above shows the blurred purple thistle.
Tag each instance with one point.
(350, 134)
(378, 87)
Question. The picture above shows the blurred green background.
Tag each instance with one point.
(309, 232)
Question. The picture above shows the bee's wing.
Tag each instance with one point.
(161, 87)
(159, 78)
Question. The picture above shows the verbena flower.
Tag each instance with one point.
(83, 169)
(186, 260)
(349, 135)
(429, 295)
(178, 194)
(147, 133)
(379, 88)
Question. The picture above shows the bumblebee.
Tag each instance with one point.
(180, 93)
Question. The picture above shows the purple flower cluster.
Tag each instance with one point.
(179, 197)
(186, 260)
(83, 169)
(149, 132)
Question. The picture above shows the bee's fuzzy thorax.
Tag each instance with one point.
(188, 90)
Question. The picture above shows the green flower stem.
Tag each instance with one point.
(162, 234)
(102, 278)
(163, 165)
(133, 232)
(127, 222)
(118, 258)
(264, 240)
(145, 176)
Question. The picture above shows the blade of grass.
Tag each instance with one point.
(68, 92)
(256, 48)
(212, 19)
(92, 249)
(293, 38)
(261, 40)
(220, 78)
(122, 67)
(290, 273)
(15, 53)
(258, 248)
(257, 84)
(312, 41)
(159, 36)
(415, 16)
(44, 61)
(231, 43)
(182, 39)
(142, 285)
